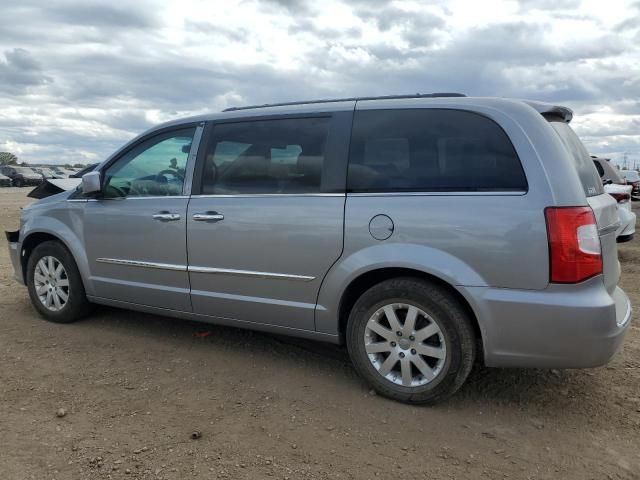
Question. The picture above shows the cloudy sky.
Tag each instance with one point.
(79, 78)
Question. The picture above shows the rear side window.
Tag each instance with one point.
(431, 150)
(599, 168)
(266, 157)
(591, 181)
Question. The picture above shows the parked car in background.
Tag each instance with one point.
(63, 172)
(47, 172)
(5, 181)
(633, 178)
(421, 230)
(21, 176)
(622, 194)
(84, 170)
(608, 173)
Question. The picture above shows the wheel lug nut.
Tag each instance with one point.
(412, 338)
(399, 333)
(401, 355)
(413, 351)
(393, 344)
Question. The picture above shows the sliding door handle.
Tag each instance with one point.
(208, 217)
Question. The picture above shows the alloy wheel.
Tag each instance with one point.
(51, 283)
(405, 345)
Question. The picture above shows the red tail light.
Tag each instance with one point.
(574, 244)
(621, 197)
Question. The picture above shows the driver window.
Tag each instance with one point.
(156, 167)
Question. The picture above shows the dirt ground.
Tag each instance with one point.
(135, 386)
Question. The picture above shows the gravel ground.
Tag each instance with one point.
(131, 388)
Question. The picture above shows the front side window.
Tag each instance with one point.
(266, 157)
(156, 167)
(431, 150)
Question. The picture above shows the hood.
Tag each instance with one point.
(52, 186)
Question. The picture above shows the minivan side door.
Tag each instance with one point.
(265, 221)
(135, 230)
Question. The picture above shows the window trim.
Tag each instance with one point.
(438, 191)
(334, 168)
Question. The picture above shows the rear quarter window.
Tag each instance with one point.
(591, 181)
(431, 150)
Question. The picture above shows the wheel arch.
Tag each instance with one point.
(370, 278)
(38, 236)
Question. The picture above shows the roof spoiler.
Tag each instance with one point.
(550, 109)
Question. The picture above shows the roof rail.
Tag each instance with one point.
(348, 99)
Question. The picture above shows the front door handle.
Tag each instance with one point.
(208, 217)
(166, 217)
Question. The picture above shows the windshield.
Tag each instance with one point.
(587, 172)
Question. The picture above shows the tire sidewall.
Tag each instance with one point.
(442, 310)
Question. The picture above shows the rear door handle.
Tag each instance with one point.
(166, 217)
(208, 217)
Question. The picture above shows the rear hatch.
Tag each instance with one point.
(603, 205)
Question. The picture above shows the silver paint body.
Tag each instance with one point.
(281, 263)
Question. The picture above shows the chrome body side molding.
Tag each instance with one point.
(194, 269)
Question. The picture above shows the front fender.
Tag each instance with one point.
(396, 255)
(70, 236)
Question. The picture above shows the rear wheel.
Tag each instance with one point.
(55, 285)
(411, 340)
(18, 182)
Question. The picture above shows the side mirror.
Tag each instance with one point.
(90, 182)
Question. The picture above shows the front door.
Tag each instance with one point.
(266, 222)
(135, 231)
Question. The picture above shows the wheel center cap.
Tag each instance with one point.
(404, 344)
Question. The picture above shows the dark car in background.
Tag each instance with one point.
(5, 181)
(21, 176)
(633, 178)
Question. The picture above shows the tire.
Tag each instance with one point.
(18, 182)
(439, 318)
(68, 283)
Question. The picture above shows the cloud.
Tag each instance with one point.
(547, 5)
(19, 71)
(78, 78)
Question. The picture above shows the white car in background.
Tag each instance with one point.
(622, 194)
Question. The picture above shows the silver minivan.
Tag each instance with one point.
(424, 232)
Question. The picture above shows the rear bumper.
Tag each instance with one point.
(627, 224)
(14, 254)
(563, 326)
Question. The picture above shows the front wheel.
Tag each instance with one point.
(411, 340)
(55, 285)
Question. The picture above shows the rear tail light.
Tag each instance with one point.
(621, 197)
(574, 244)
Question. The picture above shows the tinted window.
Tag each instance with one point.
(266, 156)
(599, 168)
(154, 168)
(431, 150)
(587, 172)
